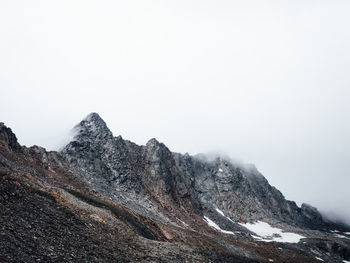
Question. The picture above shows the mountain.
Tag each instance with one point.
(106, 199)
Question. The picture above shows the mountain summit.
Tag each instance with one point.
(153, 205)
(92, 127)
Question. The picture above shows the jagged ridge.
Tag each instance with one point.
(129, 173)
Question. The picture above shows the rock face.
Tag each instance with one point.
(7, 138)
(167, 181)
(106, 199)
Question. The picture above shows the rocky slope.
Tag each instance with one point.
(155, 181)
(106, 199)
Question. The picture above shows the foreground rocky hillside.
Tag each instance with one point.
(106, 199)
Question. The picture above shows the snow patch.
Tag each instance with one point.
(212, 224)
(184, 223)
(220, 170)
(346, 261)
(229, 219)
(320, 259)
(268, 233)
(220, 212)
(341, 236)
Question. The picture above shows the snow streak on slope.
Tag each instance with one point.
(341, 234)
(212, 224)
(268, 233)
(220, 212)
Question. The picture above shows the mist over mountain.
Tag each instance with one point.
(218, 131)
(265, 83)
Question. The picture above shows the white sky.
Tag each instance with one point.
(266, 82)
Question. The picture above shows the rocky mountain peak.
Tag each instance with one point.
(8, 138)
(153, 143)
(91, 134)
(93, 127)
(156, 148)
(94, 123)
(311, 212)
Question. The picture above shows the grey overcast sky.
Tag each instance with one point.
(265, 81)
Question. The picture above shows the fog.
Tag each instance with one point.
(265, 82)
